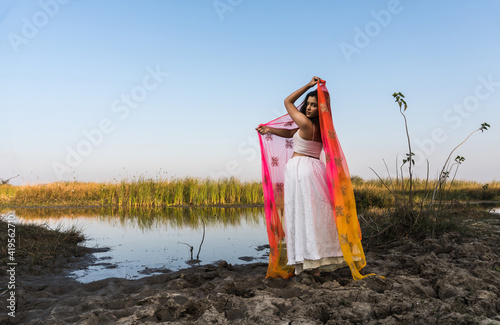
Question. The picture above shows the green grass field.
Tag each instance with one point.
(192, 191)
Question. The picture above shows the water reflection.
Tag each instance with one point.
(146, 218)
(142, 240)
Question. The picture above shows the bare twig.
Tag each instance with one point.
(6, 181)
(389, 174)
(383, 183)
(484, 126)
(459, 161)
(380, 232)
(390, 179)
(397, 174)
(370, 223)
(190, 248)
(202, 239)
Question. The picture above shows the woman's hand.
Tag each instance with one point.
(262, 129)
(313, 81)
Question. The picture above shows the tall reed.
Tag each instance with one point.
(139, 192)
(143, 192)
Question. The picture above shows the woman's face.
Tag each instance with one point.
(312, 107)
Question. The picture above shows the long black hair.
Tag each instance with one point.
(314, 94)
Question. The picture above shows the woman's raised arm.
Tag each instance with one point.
(300, 119)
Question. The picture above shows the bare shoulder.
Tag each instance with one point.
(306, 130)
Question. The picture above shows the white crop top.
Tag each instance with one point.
(307, 147)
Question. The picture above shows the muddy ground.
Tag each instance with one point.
(449, 280)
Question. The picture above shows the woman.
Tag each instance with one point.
(311, 235)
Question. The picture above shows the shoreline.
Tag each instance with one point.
(114, 206)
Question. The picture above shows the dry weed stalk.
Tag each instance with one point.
(423, 219)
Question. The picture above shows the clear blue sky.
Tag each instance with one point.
(102, 90)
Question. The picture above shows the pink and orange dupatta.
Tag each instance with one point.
(275, 152)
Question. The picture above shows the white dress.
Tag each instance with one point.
(311, 234)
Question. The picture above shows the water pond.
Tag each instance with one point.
(150, 241)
